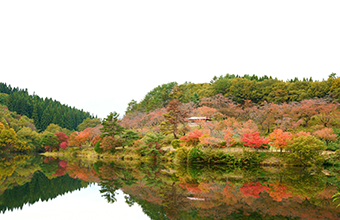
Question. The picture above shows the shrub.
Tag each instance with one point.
(175, 143)
(97, 147)
(249, 158)
(216, 156)
(195, 155)
(181, 155)
(306, 149)
(333, 146)
(168, 139)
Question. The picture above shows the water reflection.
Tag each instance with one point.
(177, 192)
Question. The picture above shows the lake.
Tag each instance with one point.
(34, 187)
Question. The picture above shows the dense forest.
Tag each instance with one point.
(239, 89)
(43, 111)
(26, 119)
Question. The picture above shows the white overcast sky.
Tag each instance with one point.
(99, 55)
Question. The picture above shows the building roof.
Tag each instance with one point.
(199, 118)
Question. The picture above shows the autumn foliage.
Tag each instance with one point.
(191, 139)
(253, 189)
(254, 140)
(326, 134)
(280, 138)
(228, 137)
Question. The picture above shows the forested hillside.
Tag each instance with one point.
(43, 111)
(239, 89)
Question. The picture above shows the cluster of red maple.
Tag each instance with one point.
(234, 123)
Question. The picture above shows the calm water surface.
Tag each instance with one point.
(47, 188)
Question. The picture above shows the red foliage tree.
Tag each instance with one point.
(247, 127)
(133, 120)
(254, 140)
(301, 133)
(192, 139)
(306, 109)
(80, 138)
(205, 111)
(326, 134)
(328, 114)
(63, 145)
(153, 118)
(62, 137)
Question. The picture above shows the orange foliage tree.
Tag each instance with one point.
(228, 137)
(279, 138)
(85, 137)
(79, 138)
(205, 111)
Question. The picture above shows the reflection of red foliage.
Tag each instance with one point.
(60, 172)
(228, 189)
(47, 148)
(192, 188)
(49, 159)
(63, 163)
(278, 191)
(78, 172)
(253, 189)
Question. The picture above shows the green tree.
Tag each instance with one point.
(173, 118)
(111, 126)
(88, 123)
(45, 119)
(3, 98)
(32, 138)
(132, 106)
(53, 128)
(306, 150)
(8, 137)
(35, 116)
(50, 140)
(195, 99)
(129, 136)
(152, 145)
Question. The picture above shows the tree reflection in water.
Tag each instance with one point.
(166, 191)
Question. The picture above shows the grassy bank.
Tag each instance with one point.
(239, 156)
